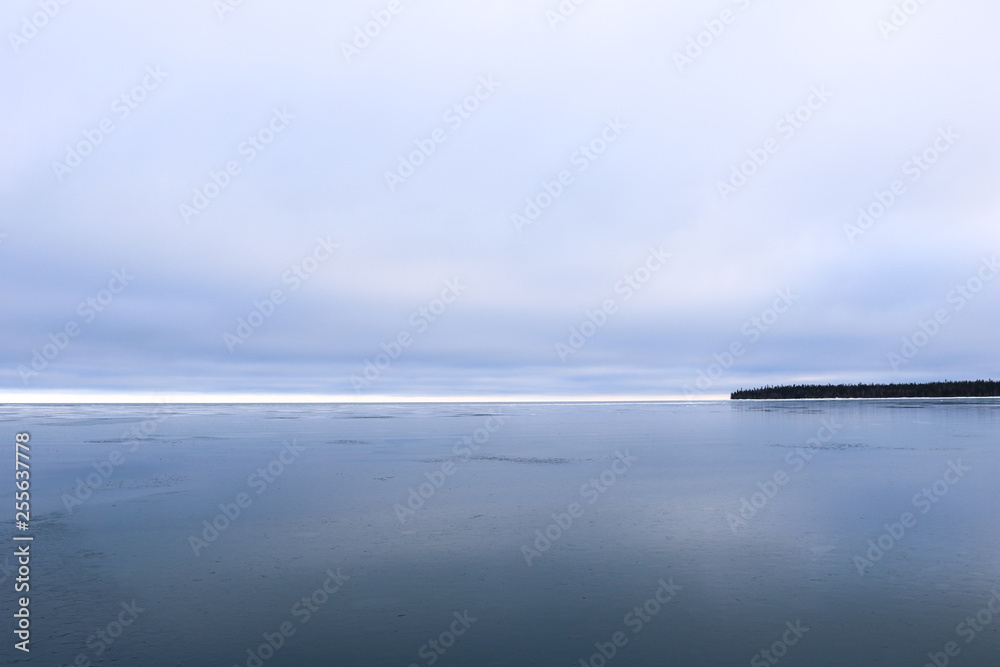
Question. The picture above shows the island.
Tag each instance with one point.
(946, 389)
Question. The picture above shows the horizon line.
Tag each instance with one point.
(143, 397)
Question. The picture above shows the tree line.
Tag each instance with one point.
(896, 390)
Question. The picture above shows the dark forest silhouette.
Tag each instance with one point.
(906, 390)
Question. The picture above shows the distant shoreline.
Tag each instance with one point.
(946, 389)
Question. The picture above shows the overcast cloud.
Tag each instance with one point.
(120, 121)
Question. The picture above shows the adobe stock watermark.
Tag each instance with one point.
(102, 640)
(224, 8)
(104, 469)
(899, 16)
(957, 299)
(584, 156)
(591, 492)
(32, 24)
(635, 620)
(914, 168)
(454, 116)
(435, 648)
(302, 611)
(88, 309)
(121, 108)
(779, 648)
(296, 275)
(258, 481)
(704, 39)
(246, 152)
(970, 628)
(464, 449)
(420, 320)
(795, 461)
(364, 34)
(630, 285)
(786, 126)
(562, 13)
(752, 329)
(879, 546)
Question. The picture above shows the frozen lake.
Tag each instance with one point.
(848, 532)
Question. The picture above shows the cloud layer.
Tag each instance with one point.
(823, 179)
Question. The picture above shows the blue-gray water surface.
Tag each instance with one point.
(840, 532)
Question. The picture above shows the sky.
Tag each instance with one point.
(409, 200)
